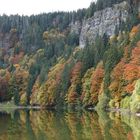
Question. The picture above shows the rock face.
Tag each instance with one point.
(103, 22)
(8, 40)
(76, 27)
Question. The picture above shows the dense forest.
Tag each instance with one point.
(41, 63)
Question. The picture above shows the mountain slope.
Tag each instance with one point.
(86, 58)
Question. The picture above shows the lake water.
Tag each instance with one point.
(54, 125)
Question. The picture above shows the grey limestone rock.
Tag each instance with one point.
(103, 22)
(76, 27)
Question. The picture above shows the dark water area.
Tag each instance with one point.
(68, 125)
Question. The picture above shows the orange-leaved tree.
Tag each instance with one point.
(75, 81)
(96, 81)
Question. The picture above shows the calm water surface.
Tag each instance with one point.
(52, 125)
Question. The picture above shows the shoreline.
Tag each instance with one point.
(22, 107)
(11, 106)
(124, 111)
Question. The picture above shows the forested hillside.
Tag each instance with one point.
(42, 63)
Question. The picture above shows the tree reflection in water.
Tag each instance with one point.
(55, 125)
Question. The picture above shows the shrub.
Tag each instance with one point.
(135, 99)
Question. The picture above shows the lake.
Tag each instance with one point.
(68, 125)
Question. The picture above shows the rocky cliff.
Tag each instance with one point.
(103, 22)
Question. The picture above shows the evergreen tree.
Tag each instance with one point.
(13, 90)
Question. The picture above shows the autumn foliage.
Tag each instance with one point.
(4, 78)
(134, 31)
(45, 95)
(125, 74)
(91, 85)
(55, 71)
(72, 94)
(96, 81)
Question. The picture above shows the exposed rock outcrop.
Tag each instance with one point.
(76, 27)
(103, 22)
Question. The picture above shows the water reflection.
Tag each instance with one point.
(53, 125)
